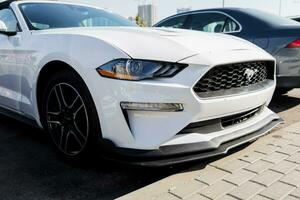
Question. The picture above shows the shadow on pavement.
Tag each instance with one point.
(281, 103)
(30, 169)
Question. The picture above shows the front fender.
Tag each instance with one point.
(84, 54)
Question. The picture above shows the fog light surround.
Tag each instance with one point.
(162, 107)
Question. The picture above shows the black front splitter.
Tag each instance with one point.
(162, 161)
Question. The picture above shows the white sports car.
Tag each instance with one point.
(148, 96)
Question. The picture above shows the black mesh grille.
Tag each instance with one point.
(219, 123)
(239, 118)
(236, 75)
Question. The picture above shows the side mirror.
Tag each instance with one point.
(4, 30)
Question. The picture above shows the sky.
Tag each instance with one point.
(166, 8)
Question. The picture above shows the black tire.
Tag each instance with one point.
(70, 117)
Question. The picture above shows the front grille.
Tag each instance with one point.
(238, 75)
(218, 124)
(239, 118)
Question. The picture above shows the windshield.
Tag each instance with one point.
(41, 16)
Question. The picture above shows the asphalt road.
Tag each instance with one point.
(30, 169)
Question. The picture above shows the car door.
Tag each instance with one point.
(10, 73)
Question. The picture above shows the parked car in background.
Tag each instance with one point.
(277, 35)
(154, 96)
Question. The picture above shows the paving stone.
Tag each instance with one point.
(284, 167)
(187, 189)
(197, 197)
(259, 166)
(266, 149)
(291, 136)
(278, 190)
(217, 190)
(275, 157)
(226, 159)
(210, 175)
(227, 197)
(293, 128)
(295, 158)
(292, 178)
(252, 157)
(231, 166)
(267, 170)
(247, 190)
(279, 142)
(290, 198)
(296, 143)
(296, 193)
(166, 196)
(267, 178)
(288, 149)
(239, 177)
(258, 197)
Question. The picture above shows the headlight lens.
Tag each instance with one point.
(135, 70)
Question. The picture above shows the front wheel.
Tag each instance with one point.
(69, 114)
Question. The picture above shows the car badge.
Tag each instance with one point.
(249, 74)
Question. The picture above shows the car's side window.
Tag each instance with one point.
(212, 22)
(8, 18)
(208, 22)
(176, 22)
(230, 26)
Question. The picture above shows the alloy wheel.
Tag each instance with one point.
(67, 119)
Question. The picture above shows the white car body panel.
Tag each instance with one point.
(11, 73)
(85, 49)
(174, 45)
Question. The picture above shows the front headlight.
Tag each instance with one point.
(135, 70)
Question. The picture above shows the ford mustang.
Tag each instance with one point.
(146, 96)
(277, 35)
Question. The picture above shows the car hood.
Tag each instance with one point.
(161, 44)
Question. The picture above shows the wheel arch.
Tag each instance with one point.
(45, 72)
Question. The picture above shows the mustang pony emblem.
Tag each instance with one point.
(249, 73)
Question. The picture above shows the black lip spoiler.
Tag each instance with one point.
(167, 161)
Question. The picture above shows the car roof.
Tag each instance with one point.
(245, 15)
(211, 9)
(231, 11)
(227, 10)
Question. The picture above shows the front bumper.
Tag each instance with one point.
(165, 155)
(157, 132)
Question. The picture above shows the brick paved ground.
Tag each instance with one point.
(267, 169)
